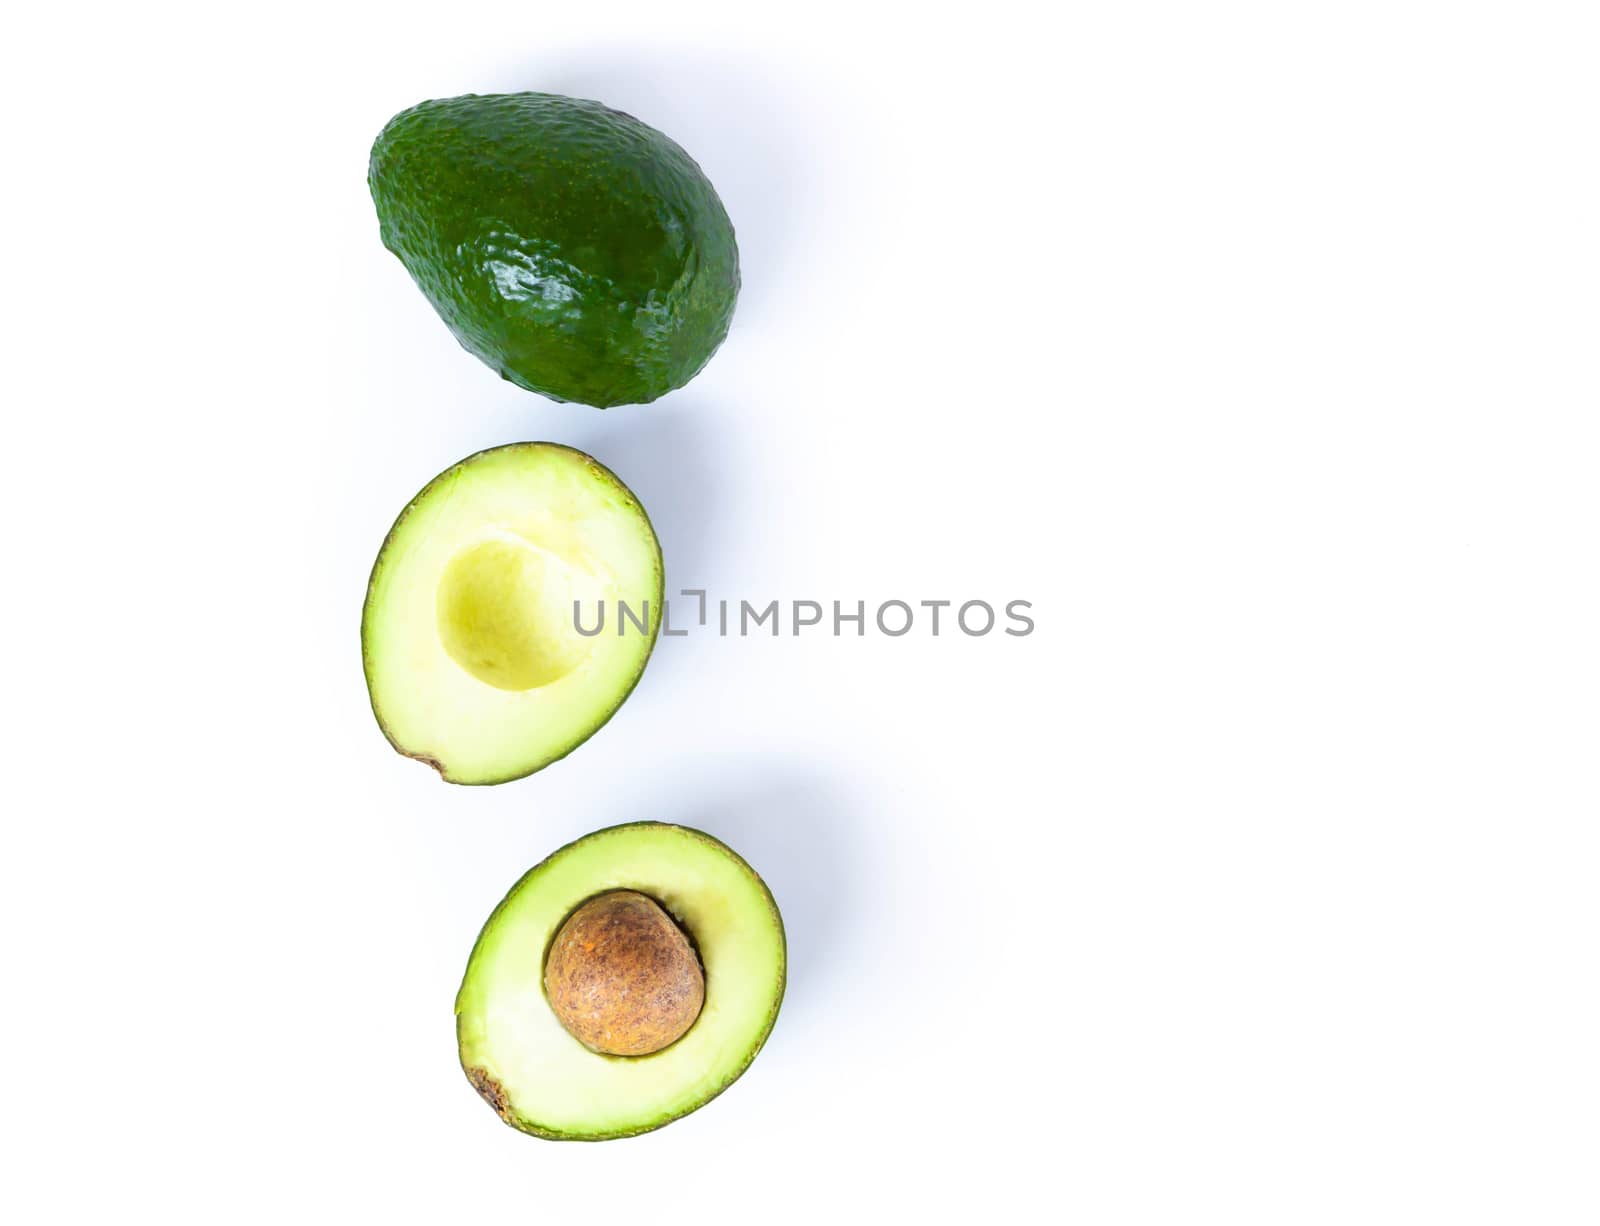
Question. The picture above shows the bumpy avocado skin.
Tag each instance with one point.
(577, 251)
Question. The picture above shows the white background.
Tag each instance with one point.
(1254, 343)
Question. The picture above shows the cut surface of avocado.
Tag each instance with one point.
(544, 1081)
(470, 634)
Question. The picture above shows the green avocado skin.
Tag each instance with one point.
(577, 251)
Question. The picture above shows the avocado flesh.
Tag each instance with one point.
(473, 660)
(578, 252)
(541, 1079)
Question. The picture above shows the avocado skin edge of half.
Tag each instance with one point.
(533, 1129)
(580, 253)
(601, 471)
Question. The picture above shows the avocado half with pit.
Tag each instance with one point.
(623, 983)
(510, 612)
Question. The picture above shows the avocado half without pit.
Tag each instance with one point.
(470, 635)
(623, 983)
(575, 250)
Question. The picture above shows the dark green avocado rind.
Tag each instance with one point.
(450, 474)
(535, 1129)
(577, 251)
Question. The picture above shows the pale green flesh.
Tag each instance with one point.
(552, 1084)
(472, 656)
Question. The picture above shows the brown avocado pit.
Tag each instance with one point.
(622, 976)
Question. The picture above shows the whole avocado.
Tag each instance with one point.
(577, 251)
